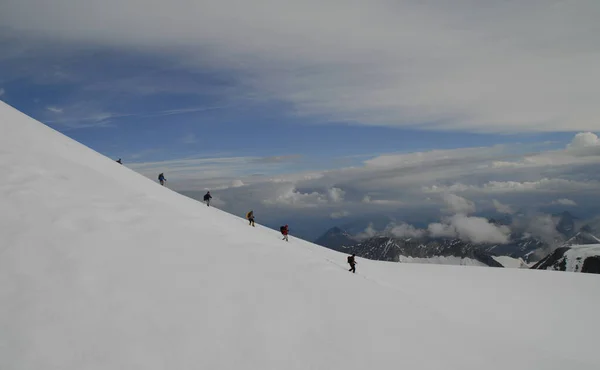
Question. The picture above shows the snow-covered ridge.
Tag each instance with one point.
(575, 258)
(101, 268)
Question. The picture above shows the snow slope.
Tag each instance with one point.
(100, 268)
(443, 260)
(575, 256)
(510, 262)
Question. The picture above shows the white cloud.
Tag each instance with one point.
(336, 195)
(414, 185)
(293, 198)
(564, 202)
(340, 214)
(458, 204)
(584, 140)
(502, 208)
(479, 230)
(369, 232)
(237, 183)
(435, 61)
(54, 109)
(406, 231)
(544, 227)
(440, 230)
(544, 184)
(470, 229)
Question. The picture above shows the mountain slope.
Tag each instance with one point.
(432, 250)
(335, 238)
(574, 258)
(100, 268)
(511, 262)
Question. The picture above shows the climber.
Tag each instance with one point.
(250, 217)
(352, 263)
(284, 231)
(207, 198)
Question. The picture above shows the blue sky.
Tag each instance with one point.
(322, 110)
(166, 113)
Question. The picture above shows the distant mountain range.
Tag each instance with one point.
(521, 251)
(385, 248)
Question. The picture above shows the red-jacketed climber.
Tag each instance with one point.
(285, 231)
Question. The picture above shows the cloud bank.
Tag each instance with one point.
(415, 187)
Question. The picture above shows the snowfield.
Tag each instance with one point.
(578, 253)
(102, 268)
(443, 260)
(510, 262)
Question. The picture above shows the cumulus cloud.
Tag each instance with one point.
(584, 140)
(457, 204)
(415, 187)
(470, 229)
(291, 196)
(542, 226)
(440, 230)
(564, 202)
(466, 228)
(479, 230)
(406, 231)
(336, 195)
(502, 208)
(369, 232)
(294, 198)
(237, 183)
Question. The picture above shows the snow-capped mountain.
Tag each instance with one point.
(575, 258)
(431, 250)
(582, 238)
(522, 247)
(102, 268)
(384, 248)
(519, 247)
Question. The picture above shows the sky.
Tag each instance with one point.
(324, 112)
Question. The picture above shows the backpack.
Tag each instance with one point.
(281, 228)
(350, 259)
(248, 215)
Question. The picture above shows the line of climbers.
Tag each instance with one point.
(285, 230)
